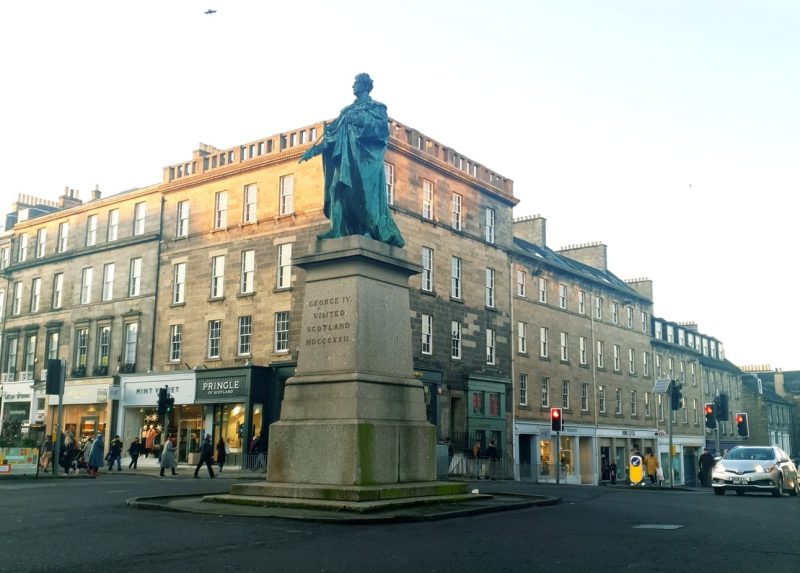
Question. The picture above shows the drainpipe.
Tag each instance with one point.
(155, 293)
(514, 401)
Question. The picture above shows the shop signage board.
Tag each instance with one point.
(145, 392)
(18, 461)
(222, 389)
(83, 394)
(17, 392)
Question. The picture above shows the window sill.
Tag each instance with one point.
(427, 292)
(216, 299)
(177, 304)
(281, 289)
(245, 294)
(456, 300)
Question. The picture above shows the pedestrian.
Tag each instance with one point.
(222, 452)
(660, 476)
(96, 455)
(257, 449)
(476, 451)
(115, 454)
(47, 453)
(86, 450)
(134, 450)
(68, 453)
(706, 462)
(168, 459)
(651, 466)
(206, 456)
(491, 453)
(612, 472)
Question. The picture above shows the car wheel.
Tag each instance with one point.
(739, 492)
(719, 491)
(779, 490)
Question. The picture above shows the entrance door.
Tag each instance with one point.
(689, 465)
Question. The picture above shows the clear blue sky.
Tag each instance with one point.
(669, 131)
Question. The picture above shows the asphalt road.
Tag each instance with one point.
(84, 525)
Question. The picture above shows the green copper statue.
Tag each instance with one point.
(352, 149)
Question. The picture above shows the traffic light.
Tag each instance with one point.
(555, 419)
(742, 427)
(170, 404)
(162, 401)
(711, 418)
(677, 396)
(53, 380)
(722, 407)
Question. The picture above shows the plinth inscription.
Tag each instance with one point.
(329, 321)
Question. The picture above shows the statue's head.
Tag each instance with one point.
(363, 83)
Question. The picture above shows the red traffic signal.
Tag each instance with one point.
(742, 427)
(711, 416)
(555, 419)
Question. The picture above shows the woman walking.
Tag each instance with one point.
(168, 458)
(221, 453)
(96, 456)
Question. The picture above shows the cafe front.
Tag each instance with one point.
(85, 412)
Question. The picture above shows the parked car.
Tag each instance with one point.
(755, 468)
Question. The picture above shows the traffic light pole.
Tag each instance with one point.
(669, 431)
(57, 445)
(558, 458)
(716, 440)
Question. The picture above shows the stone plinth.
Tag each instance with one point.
(353, 415)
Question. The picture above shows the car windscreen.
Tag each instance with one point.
(751, 454)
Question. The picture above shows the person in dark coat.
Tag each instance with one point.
(206, 456)
(221, 453)
(134, 450)
(115, 454)
(706, 464)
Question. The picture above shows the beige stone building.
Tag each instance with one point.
(79, 285)
(229, 297)
(582, 344)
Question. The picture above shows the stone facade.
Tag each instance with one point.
(81, 287)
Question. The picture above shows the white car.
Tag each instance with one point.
(755, 468)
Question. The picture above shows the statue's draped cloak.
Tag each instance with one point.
(355, 180)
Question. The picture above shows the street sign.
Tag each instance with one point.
(636, 471)
(662, 385)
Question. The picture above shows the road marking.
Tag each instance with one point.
(656, 526)
(116, 491)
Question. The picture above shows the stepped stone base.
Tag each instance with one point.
(348, 498)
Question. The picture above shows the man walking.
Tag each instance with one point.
(115, 453)
(134, 450)
(206, 456)
(706, 463)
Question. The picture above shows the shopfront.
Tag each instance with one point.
(486, 413)
(686, 451)
(239, 404)
(616, 445)
(542, 456)
(16, 408)
(139, 412)
(85, 412)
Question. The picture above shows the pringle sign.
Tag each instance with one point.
(222, 389)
